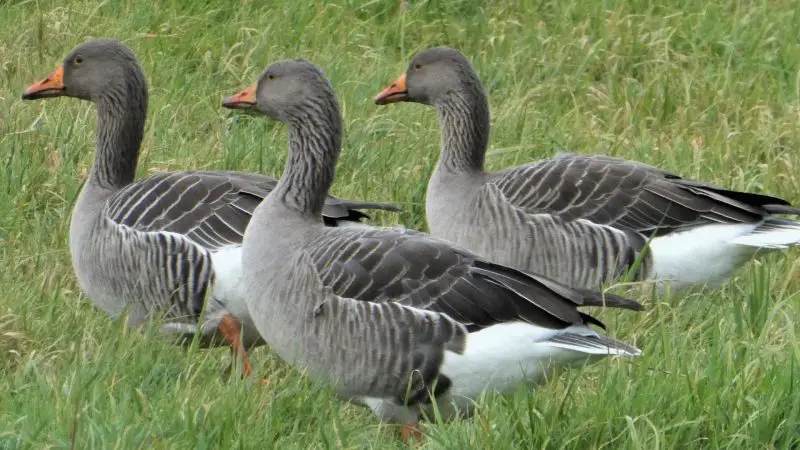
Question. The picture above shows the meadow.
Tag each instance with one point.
(710, 90)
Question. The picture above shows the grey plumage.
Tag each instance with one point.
(167, 246)
(417, 270)
(627, 195)
(381, 349)
(378, 312)
(211, 208)
(581, 220)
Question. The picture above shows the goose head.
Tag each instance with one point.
(286, 91)
(431, 78)
(94, 71)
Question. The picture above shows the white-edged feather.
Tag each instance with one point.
(774, 233)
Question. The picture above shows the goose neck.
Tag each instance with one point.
(314, 145)
(120, 129)
(464, 119)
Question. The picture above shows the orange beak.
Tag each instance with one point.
(243, 99)
(395, 93)
(52, 86)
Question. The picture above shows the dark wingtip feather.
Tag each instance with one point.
(782, 209)
(357, 205)
(563, 300)
(355, 215)
(587, 319)
(382, 206)
(591, 298)
(767, 202)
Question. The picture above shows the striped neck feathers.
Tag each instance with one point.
(315, 140)
(464, 119)
(121, 114)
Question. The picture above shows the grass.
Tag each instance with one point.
(710, 90)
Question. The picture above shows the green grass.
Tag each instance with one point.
(707, 89)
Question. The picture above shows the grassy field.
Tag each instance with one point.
(707, 89)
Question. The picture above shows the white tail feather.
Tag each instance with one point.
(773, 233)
(593, 345)
(709, 254)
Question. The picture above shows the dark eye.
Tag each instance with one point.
(78, 60)
(270, 76)
(417, 66)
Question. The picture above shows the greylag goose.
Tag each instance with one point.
(170, 244)
(580, 220)
(387, 315)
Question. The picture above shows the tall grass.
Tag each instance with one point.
(710, 90)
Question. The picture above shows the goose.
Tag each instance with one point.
(389, 316)
(580, 220)
(168, 245)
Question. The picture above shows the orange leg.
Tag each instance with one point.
(232, 331)
(410, 432)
